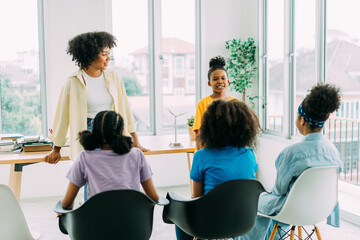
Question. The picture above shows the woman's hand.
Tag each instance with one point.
(137, 144)
(54, 156)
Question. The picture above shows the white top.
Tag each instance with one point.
(98, 97)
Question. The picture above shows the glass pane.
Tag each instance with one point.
(275, 64)
(343, 70)
(178, 67)
(305, 55)
(19, 68)
(130, 26)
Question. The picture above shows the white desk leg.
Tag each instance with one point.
(15, 181)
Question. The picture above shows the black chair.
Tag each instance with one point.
(118, 214)
(227, 211)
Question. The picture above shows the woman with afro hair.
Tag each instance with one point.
(228, 134)
(314, 150)
(89, 90)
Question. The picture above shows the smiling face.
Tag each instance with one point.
(218, 81)
(102, 60)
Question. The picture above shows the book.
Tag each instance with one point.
(6, 145)
(11, 136)
(37, 147)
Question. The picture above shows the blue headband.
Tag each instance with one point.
(310, 121)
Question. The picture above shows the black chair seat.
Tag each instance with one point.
(119, 214)
(227, 211)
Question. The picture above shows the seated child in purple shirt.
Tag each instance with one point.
(115, 166)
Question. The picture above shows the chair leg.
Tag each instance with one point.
(273, 232)
(300, 232)
(317, 233)
(292, 233)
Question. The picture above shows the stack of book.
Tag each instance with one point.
(35, 144)
(6, 145)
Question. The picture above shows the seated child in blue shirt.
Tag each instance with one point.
(228, 132)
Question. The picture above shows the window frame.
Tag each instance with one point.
(289, 70)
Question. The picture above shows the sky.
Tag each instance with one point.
(19, 24)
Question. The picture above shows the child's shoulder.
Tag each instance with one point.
(205, 101)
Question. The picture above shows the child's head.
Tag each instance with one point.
(317, 106)
(229, 123)
(107, 129)
(217, 74)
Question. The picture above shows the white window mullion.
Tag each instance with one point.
(320, 36)
(155, 58)
(288, 66)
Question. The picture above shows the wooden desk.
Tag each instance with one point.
(157, 144)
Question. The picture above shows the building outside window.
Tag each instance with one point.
(318, 42)
(157, 77)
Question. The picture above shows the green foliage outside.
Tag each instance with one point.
(132, 86)
(20, 111)
(241, 65)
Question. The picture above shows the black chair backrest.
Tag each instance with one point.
(120, 214)
(229, 210)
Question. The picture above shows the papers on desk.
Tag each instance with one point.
(9, 146)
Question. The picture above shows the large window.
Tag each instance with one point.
(275, 72)
(178, 46)
(19, 68)
(130, 26)
(310, 41)
(158, 79)
(305, 50)
(343, 69)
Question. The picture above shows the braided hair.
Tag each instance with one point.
(216, 63)
(322, 100)
(107, 129)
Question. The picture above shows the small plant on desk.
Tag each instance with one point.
(190, 123)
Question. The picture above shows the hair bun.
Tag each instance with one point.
(217, 61)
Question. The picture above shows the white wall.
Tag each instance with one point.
(223, 20)
(63, 20)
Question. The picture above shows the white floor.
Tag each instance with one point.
(41, 219)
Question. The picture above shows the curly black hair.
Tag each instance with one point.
(322, 100)
(229, 123)
(216, 63)
(108, 127)
(85, 48)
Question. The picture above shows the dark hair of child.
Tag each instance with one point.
(322, 100)
(229, 123)
(86, 47)
(107, 129)
(216, 63)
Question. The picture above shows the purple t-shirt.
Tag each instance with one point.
(105, 170)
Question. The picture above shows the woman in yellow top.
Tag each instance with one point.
(218, 81)
(91, 89)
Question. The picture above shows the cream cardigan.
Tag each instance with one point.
(71, 110)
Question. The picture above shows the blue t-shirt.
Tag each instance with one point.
(214, 166)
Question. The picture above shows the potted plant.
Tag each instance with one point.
(190, 123)
(241, 65)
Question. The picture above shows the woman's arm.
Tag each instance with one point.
(136, 142)
(197, 189)
(71, 192)
(149, 189)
